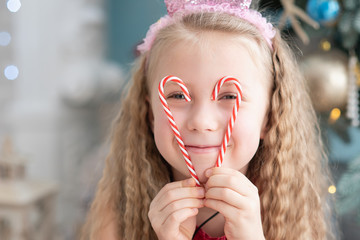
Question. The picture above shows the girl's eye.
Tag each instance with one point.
(228, 97)
(177, 96)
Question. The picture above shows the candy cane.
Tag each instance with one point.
(233, 115)
(172, 121)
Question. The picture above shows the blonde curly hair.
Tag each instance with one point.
(289, 167)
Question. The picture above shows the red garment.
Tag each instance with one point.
(201, 235)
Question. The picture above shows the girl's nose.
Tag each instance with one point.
(202, 118)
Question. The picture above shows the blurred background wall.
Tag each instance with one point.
(63, 65)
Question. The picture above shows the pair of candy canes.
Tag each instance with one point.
(188, 98)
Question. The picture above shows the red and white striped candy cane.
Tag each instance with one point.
(172, 121)
(233, 115)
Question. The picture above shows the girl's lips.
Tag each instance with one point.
(202, 149)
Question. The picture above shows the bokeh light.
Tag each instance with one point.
(13, 5)
(11, 72)
(332, 189)
(334, 115)
(5, 38)
(325, 45)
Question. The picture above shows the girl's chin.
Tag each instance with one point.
(200, 170)
(200, 165)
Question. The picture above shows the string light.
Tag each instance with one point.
(357, 74)
(353, 95)
(5, 38)
(13, 5)
(332, 189)
(334, 115)
(11, 72)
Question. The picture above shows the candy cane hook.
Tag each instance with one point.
(172, 121)
(233, 115)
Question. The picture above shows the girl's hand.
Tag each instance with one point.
(233, 195)
(173, 211)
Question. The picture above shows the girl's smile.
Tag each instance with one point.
(202, 149)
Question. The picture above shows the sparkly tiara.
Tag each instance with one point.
(178, 8)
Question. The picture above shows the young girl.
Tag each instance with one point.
(272, 182)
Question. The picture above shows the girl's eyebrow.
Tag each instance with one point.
(243, 84)
(189, 84)
(173, 84)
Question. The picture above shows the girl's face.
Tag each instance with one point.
(203, 122)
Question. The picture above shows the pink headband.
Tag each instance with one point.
(179, 8)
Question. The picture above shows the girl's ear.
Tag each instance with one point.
(150, 114)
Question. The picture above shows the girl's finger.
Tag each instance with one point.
(231, 179)
(174, 185)
(230, 172)
(175, 191)
(178, 194)
(228, 211)
(173, 221)
(180, 204)
(227, 195)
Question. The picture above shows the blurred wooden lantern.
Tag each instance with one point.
(12, 167)
(26, 207)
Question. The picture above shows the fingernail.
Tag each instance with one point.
(208, 172)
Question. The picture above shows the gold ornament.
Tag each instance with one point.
(326, 74)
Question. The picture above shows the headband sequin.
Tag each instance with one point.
(178, 8)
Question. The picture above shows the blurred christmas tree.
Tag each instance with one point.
(338, 20)
(349, 25)
(327, 32)
(333, 26)
(349, 189)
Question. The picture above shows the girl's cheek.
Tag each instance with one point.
(180, 115)
(246, 128)
(160, 117)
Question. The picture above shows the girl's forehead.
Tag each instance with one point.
(212, 59)
(209, 57)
